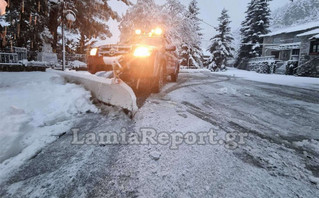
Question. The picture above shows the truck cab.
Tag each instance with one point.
(146, 59)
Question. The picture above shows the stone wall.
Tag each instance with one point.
(304, 50)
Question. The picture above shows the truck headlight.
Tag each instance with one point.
(138, 32)
(93, 52)
(142, 51)
(158, 31)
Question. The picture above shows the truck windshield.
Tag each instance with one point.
(154, 41)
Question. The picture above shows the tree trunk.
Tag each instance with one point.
(53, 26)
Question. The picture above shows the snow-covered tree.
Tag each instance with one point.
(194, 50)
(221, 47)
(145, 15)
(32, 22)
(179, 28)
(255, 24)
(91, 20)
(172, 16)
(27, 20)
(184, 55)
(296, 12)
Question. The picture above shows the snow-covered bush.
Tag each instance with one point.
(291, 67)
(263, 67)
(309, 68)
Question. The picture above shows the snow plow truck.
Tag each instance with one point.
(143, 63)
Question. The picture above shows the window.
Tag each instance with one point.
(314, 47)
(295, 52)
(276, 54)
(277, 40)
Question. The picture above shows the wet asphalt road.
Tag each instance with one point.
(271, 114)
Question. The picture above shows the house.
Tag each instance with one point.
(298, 44)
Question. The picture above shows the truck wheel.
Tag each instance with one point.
(92, 69)
(159, 80)
(174, 76)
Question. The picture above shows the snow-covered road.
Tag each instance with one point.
(279, 158)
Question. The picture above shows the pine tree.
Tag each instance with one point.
(194, 51)
(91, 20)
(27, 20)
(184, 55)
(96, 17)
(255, 24)
(244, 50)
(221, 47)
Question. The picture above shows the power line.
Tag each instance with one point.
(206, 23)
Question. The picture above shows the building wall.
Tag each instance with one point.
(305, 50)
(284, 39)
(280, 39)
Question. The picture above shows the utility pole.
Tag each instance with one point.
(70, 17)
(63, 39)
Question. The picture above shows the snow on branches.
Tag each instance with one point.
(221, 46)
(173, 17)
(33, 22)
(255, 24)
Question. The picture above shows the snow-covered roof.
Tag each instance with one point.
(286, 46)
(309, 33)
(315, 37)
(291, 29)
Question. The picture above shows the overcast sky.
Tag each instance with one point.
(210, 10)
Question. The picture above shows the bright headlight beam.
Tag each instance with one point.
(138, 31)
(142, 52)
(93, 52)
(158, 31)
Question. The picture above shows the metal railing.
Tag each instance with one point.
(262, 59)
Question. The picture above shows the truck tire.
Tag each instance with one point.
(92, 69)
(174, 77)
(159, 80)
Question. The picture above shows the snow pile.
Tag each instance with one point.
(185, 70)
(312, 145)
(35, 109)
(77, 64)
(105, 90)
(302, 82)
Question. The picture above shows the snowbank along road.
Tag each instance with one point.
(278, 158)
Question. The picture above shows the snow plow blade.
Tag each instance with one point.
(105, 90)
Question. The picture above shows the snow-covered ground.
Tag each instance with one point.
(279, 157)
(302, 82)
(35, 109)
(277, 160)
(193, 70)
(77, 64)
